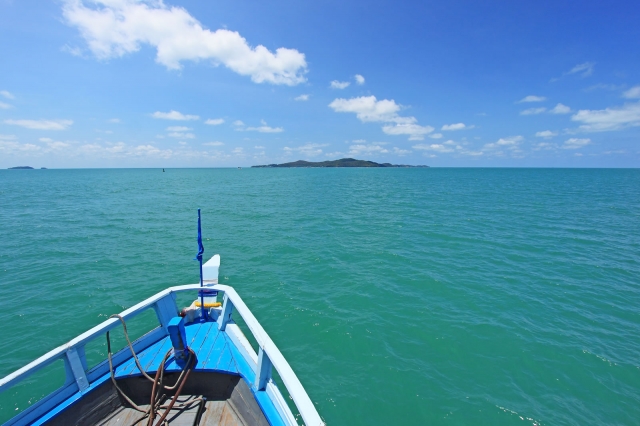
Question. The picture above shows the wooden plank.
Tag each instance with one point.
(130, 367)
(226, 356)
(213, 412)
(207, 346)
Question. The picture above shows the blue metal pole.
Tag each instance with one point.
(199, 258)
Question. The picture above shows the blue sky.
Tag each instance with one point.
(125, 83)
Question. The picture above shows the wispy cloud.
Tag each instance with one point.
(4, 105)
(335, 84)
(41, 124)
(178, 129)
(400, 151)
(301, 98)
(359, 79)
(181, 135)
(113, 28)
(532, 98)
(307, 150)
(607, 119)
(265, 129)
(633, 93)
(585, 69)
(546, 134)
(214, 121)
(369, 109)
(214, 143)
(560, 109)
(575, 143)
(435, 147)
(456, 126)
(363, 148)
(7, 94)
(174, 115)
(510, 143)
(262, 129)
(533, 111)
(114, 120)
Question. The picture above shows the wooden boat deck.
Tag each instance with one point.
(214, 352)
(216, 413)
(232, 376)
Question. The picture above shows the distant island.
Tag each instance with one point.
(344, 162)
(21, 168)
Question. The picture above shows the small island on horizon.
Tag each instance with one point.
(344, 162)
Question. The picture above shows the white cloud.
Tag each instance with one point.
(533, 111)
(12, 147)
(415, 131)
(238, 151)
(178, 129)
(114, 120)
(174, 115)
(359, 79)
(307, 150)
(57, 145)
(265, 129)
(545, 146)
(8, 137)
(436, 135)
(575, 143)
(301, 98)
(6, 94)
(214, 121)
(215, 143)
(633, 93)
(511, 142)
(399, 151)
(560, 109)
(436, 147)
(262, 129)
(608, 119)
(41, 124)
(546, 134)
(369, 109)
(456, 126)
(364, 149)
(532, 98)
(4, 105)
(113, 28)
(585, 69)
(335, 84)
(181, 135)
(45, 140)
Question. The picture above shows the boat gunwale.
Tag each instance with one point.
(291, 382)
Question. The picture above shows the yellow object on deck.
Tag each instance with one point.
(209, 305)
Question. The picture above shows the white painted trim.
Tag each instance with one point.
(242, 343)
(292, 383)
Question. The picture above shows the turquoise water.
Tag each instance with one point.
(399, 296)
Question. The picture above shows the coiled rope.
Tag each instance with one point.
(156, 403)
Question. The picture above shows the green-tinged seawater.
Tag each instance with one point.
(399, 296)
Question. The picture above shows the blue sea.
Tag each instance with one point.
(399, 296)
